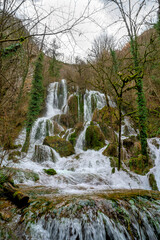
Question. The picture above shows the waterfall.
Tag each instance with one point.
(92, 100)
(85, 170)
(100, 220)
(154, 145)
(89, 173)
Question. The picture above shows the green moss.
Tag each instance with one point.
(114, 162)
(106, 116)
(111, 150)
(152, 182)
(63, 147)
(94, 138)
(12, 155)
(50, 171)
(138, 165)
(72, 138)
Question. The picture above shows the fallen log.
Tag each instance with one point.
(20, 199)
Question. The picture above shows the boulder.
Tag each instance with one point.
(63, 147)
(111, 150)
(107, 120)
(73, 137)
(43, 153)
(94, 138)
(107, 115)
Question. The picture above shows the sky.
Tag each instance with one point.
(89, 19)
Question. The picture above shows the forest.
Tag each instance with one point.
(79, 141)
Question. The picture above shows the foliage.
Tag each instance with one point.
(10, 50)
(142, 115)
(36, 99)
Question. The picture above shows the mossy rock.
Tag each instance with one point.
(73, 105)
(57, 128)
(111, 150)
(50, 171)
(107, 115)
(66, 120)
(152, 182)
(138, 165)
(114, 162)
(94, 138)
(73, 137)
(63, 147)
(108, 132)
(132, 147)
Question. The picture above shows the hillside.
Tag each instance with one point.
(72, 161)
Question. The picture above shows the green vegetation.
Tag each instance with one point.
(94, 138)
(72, 138)
(36, 99)
(63, 147)
(50, 171)
(111, 150)
(152, 182)
(138, 164)
(8, 51)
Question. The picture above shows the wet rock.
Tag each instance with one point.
(94, 138)
(106, 115)
(111, 150)
(138, 164)
(132, 147)
(43, 153)
(152, 181)
(106, 118)
(73, 137)
(63, 147)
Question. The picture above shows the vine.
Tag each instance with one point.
(36, 99)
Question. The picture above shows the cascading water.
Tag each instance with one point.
(82, 172)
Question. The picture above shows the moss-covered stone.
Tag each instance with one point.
(94, 138)
(107, 120)
(73, 137)
(132, 147)
(63, 147)
(138, 164)
(50, 171)
(73, 105)
(111, 150)
(107, 115)
(152, 181)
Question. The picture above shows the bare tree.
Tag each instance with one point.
(130, 15)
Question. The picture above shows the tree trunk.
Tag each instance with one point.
(15, 195)
(119, 137)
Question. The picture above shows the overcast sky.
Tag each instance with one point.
(78, 41)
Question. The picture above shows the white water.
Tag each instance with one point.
(85, 170)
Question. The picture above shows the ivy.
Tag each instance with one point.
(10, 50)
(36, 99)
